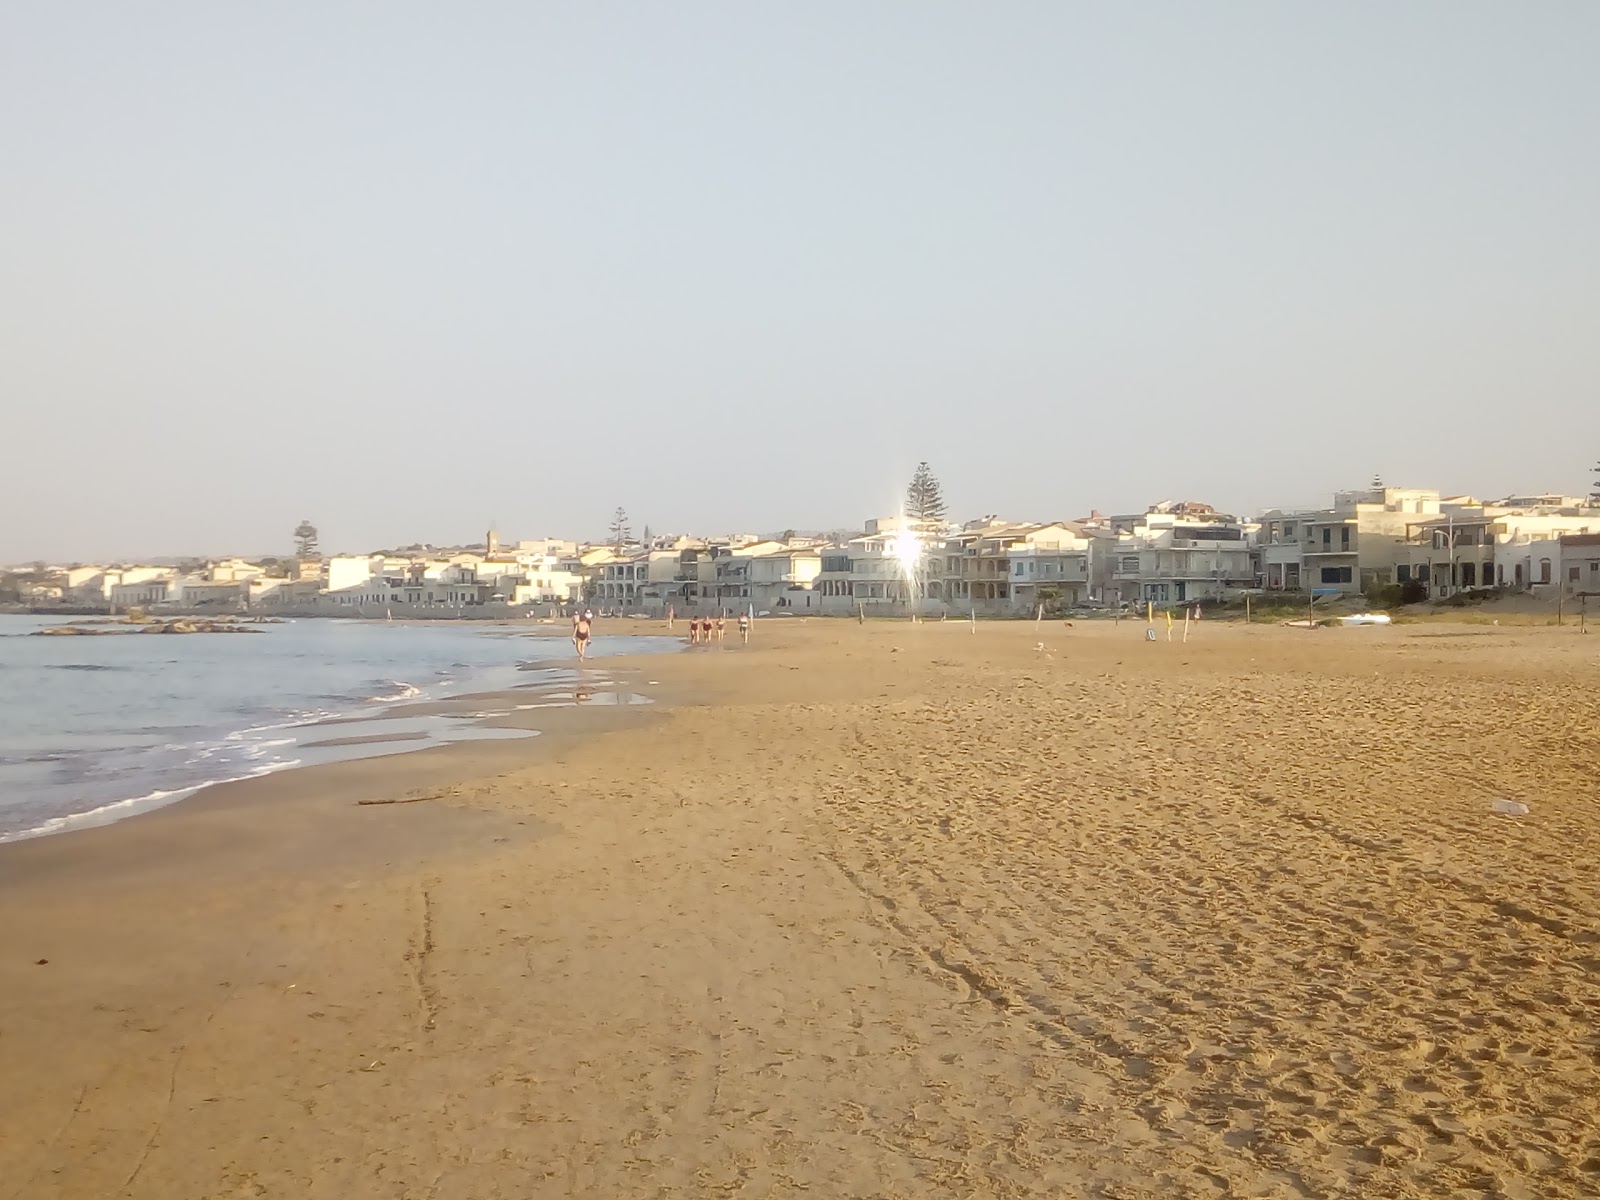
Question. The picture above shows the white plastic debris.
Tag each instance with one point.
(1512, 808)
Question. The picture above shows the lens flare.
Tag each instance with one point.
(907, 550)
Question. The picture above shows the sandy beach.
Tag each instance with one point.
(889, 910)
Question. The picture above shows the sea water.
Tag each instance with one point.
(96, 728)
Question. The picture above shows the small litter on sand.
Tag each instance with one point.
(1512, 808)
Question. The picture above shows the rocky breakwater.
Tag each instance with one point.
(179, 625)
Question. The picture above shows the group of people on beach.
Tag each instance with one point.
(701, 629)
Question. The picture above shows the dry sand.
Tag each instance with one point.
(880, 911)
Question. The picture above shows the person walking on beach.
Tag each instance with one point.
(580, 636)
(669, 618)
(744, 628)
(722, 626)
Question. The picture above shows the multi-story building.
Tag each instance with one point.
(996, 567)
(1181, 553)
(1052, 566)
(623, 582)
(871, 572)
(1404, 535)
(771, 581)
(139, 587)
(1360, 540)
(1579, 559)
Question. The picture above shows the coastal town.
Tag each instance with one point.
(1382, 545)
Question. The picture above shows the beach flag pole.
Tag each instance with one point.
(1185, 626)
(1038, 620)
(974, 609)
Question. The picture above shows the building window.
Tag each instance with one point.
(1327, 537)
(1544, 570)
(1335, 574)
(1344, 537)
(1403, 573)
(1288, 529)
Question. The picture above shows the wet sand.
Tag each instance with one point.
(876, 911)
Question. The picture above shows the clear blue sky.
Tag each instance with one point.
(402, 268)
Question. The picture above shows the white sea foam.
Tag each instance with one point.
(405, 692)
(117, 810)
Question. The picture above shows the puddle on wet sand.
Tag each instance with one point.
(344, 741)
(574, 699)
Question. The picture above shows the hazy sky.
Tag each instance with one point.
(404, 268)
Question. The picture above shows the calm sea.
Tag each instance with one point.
(93, 729)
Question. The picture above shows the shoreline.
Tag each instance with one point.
(255, 803)
(413, 702)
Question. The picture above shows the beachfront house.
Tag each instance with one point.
(1051, 566)
(138, 587)
(784, 580)
(770, 580)
(867, 573)
(1579, 571)
(1178, 553)
(1360, 540)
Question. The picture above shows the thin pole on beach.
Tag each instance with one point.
(974, 609)
(1247, 610)
(1185, 626)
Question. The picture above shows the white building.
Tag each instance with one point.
(868, 573)
(1180, 553)
(140, 587)
(1051, 565)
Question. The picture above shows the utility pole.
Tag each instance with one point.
(1453, 577)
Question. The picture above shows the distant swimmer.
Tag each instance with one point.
(580, 636)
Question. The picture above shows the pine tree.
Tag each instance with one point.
(621, 535)
(924, 500)
(305, 541)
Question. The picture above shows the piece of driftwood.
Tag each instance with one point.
(400, 800)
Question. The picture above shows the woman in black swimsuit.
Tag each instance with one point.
(580, 636)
